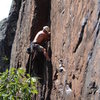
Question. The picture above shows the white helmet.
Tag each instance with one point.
(46, 28)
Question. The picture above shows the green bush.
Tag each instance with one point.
(15, 85)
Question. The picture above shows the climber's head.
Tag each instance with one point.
(46, 28)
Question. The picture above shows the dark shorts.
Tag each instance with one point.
(34, 47)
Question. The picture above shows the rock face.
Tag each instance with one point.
(11, 26)
(75, 40)
(34, 14)
(3, 25)
(7, 33)
(75, 28)
(32, 17)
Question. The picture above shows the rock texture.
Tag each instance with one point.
(75, 39)
(7, 33)
(75, 28)
(34, 14)
(32, 17)
(11, 26)
(3, 25)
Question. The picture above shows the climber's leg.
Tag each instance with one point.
(40, 48)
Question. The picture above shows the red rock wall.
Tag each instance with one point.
(75, 28)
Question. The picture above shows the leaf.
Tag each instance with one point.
(35, 92)
(15, 82)
(33, 79)
(4, 95)
(28, 75)
(11, 97)
(21, 71)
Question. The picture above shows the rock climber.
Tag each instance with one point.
(40, 38)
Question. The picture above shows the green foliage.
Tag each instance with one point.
(15, 85)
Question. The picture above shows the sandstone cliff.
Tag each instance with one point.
(75, 28)
(75, 39)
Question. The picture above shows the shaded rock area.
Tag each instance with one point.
(11, 27)
(7, 33)
(42, 69)
(3, 63)
(74, 70)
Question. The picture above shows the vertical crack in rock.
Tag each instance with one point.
(40, 67)
(49, 73)
(41, 16)
(22, 12)
(84, 22)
